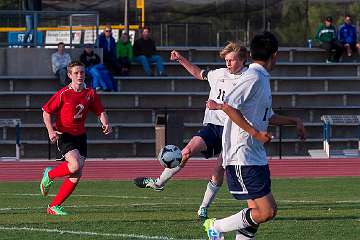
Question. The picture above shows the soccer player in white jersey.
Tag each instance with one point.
(245, 131)
(208, 139)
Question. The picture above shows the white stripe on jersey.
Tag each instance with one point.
(221, 83)
(252, 96)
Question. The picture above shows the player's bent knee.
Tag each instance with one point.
(269, 214)
(217, 179)
(75, 166)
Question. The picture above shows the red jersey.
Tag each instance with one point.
(71, 109)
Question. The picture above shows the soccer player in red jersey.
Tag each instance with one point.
(70, 105)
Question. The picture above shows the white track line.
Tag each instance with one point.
(97, 206)
(155, 197)
(119, 235)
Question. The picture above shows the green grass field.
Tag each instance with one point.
(308, 209)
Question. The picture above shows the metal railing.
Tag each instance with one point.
(279, 130)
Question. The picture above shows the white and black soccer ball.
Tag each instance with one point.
(170, 156)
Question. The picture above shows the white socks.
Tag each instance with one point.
(240, 220)
(210, 194)
(166, 175)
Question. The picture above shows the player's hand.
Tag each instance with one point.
(212, 105)
(175, 56)
(263, 137)
(54, 136)
(106, 129)
(301, 132)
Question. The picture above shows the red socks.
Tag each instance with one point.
(64, 192)
(60, 171)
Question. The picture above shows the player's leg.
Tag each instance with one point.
(249, 182)
(75, 163)
(212, 188)
(63, 144)
(195, 146)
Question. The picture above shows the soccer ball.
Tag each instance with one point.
(170, 156)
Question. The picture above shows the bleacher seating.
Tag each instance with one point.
(302, 83)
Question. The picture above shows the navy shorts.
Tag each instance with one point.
(248, 182)
(68, 142)
(211, 134)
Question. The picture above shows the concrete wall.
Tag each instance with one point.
(32, 61)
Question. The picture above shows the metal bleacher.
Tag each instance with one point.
(303, 85)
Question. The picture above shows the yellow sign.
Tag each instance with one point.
(139, 3)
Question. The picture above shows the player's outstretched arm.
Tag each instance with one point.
(236, 116)
(277, 119)
(191, 68)
(105, 123)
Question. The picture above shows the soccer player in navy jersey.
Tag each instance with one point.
(70, 105)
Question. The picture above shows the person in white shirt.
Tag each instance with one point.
(249, 112)
(59, 62)
(208, 139)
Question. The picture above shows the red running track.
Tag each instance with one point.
(27, 170)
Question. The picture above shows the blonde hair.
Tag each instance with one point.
(239, 49)
(74, 64)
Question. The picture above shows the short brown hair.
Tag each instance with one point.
(75, 63)
(240, 50)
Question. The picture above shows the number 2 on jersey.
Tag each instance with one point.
(79, 109)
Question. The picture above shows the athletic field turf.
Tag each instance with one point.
(325, 208)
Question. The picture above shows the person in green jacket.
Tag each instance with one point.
(326, 36)
(124, 53)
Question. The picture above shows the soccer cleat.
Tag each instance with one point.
(145, 182)
(211, 231)
(203, 213)
(56, 210)
(46, 183)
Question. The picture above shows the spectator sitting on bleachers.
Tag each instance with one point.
(59, 61)
(124, 53)
(326, 35)
(107, 42)
(348, 37)
(101, 79)
(145, 53)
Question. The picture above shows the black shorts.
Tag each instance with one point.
(68, 142)
(211, 134)
(248, 182)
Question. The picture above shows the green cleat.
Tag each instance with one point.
(211, 231)
(56, 210)
(45, 183)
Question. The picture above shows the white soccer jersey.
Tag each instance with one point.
(221, 82)
(252, 96)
